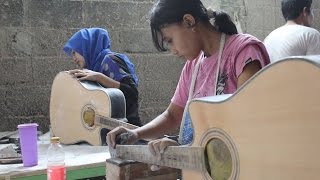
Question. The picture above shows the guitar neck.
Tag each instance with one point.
(180, 157)
(110, 123)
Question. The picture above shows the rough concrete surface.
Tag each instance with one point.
(33, 32)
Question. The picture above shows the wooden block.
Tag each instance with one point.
(118, 169)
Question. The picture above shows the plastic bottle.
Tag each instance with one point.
(56, 169)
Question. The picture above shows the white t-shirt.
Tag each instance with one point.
(292, 40)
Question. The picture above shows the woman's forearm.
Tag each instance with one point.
(165, 123)
(107, 82)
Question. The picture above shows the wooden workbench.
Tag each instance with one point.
(82, 161)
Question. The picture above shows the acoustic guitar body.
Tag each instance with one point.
(74, 106)
(268, 130)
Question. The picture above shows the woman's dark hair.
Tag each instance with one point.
(166, 12)
(291, 9)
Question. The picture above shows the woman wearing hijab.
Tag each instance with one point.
(90, 50)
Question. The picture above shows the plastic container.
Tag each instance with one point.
(56, 169)
(28, 143)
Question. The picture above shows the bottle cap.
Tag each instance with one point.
(54, 139)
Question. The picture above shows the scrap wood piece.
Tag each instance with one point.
(10, 160)
(7, 151)
(7, 134)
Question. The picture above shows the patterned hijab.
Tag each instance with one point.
(94, 45)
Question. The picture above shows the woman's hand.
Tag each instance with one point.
(98, 77)
(85, 74)
(157, 147)
(131, 137)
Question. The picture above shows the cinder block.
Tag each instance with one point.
(278, 18)
(255, 18)
(148, 112)
(17, 70)
(55, 14)
(18, 42)
(260, 34)
(132, 41)
(11, 13)
(156, 93)
(316, 17)
(117, 169)
(3, 45)
(25, 100)
(48, 42)
(101, 14)
(46, 68)
(135, 14)
(117, 14)
(11, 123)
(157, 67)
(159, 75)
(2, 102)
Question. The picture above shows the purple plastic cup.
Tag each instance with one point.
(28, 143)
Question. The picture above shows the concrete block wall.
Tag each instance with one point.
(258, 17)
(33, 32)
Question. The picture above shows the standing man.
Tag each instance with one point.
(296, 37)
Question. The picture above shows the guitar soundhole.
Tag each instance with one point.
(218, 159)
(221, 156)
(88, 117)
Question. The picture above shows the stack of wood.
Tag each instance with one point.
(9, 148)
(119, 169)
